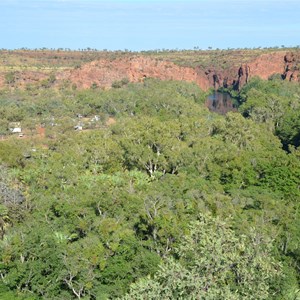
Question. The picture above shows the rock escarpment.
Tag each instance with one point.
(292, 67)
(283, 64)
(105, 72)
(135, 69)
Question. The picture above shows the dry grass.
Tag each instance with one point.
(55, 60)
(220, 59)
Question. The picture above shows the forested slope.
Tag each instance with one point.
(157, 197)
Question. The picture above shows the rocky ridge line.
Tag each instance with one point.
(104, 73)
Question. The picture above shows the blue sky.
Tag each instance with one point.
(148, 24)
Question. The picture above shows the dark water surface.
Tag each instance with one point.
(220, 103)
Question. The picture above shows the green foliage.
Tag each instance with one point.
(119, 84)
(11, 154)
(275, 103)
(288, 129)
(10, 78)
(214, 263)
(104, 207)
(276, 76)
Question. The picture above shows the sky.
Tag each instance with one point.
(139, 25)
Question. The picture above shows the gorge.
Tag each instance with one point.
(207, 73)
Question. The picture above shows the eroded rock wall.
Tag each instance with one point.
(284, 64)
(104, 73)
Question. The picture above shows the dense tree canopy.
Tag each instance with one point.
(143, 194)
(214, 263)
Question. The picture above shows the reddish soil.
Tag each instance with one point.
(105, 72)
(22, 78)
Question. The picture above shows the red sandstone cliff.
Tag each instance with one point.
(285, 64)
(105, 72)
(135, 69)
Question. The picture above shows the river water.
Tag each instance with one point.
(220, 103)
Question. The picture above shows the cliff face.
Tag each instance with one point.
(135, 69)
(284, 64)
(104, 73)
(291, 67)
